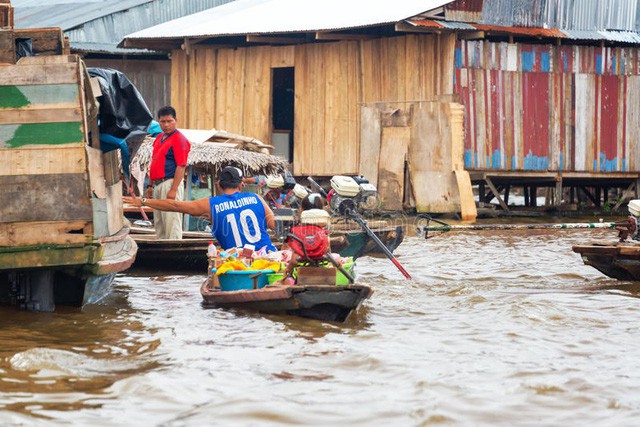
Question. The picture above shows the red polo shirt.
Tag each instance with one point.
(169, 152)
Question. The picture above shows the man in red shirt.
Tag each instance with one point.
(168, 165)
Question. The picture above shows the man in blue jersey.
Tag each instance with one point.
(237, 218)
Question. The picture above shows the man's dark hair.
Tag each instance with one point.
(313, 201)
(225, 185)
(167, 110)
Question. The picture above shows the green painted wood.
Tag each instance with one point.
(51, 197)
(12, 97)
(23, 96)
(50, 256)
(14, 136)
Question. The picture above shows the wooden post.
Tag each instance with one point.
(558, 195)
(533, 196)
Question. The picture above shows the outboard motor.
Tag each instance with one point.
(349, 193)
(310, 239)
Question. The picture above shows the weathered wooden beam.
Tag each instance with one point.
(471, 35)
(251, 38)
(50, 256)
(44, 232)
(69, 158)
(39, 74)
(558, 191)
(66, 113)
(589, 196)
(626, 195)
(340, 36)
(496, 193)
(49, 197)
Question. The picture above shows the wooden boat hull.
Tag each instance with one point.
(322, 302)
(46, 276)
(189, 253)
(617, 260)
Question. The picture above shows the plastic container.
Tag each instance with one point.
(341, 279)
(345, 186)
(634, 207)
(212, 252)
(274, 277)
(315, 216)
(236, 280)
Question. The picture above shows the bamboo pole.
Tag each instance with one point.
(444, 228)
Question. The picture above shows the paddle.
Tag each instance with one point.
(353, 214)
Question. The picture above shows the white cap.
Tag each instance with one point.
(300, 191)
(276, 181)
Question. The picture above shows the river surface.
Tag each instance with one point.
(505, 328)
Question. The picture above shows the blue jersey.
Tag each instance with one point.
(238, 219)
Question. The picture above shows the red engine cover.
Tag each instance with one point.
(314, 238)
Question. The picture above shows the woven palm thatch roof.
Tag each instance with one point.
(211, 157)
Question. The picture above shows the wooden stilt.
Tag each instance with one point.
(558, 193)
(496, 194)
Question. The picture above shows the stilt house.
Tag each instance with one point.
(424, 97)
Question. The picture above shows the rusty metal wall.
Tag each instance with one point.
(542, 107)
(586, 15)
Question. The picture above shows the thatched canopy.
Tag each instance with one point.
(211, 157)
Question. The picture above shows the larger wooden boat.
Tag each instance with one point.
(62, 235)
(618, 260)
(322, 302)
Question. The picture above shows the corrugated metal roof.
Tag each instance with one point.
(587, 15)
(286, 16)
(108, 48)
(67, 15)
(103, 24)
(614, 36)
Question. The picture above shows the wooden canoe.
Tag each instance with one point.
(323, 302)
(617, 260)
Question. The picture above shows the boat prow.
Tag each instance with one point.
(615, 259)
(322, 302)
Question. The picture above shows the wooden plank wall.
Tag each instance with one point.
(230, 89)
(327, 110)
(42, 146)
(227, 89)
(151, 77)
(543, 107)
(430, 137)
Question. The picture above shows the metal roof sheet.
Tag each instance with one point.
(67, 14)
(586, 15)
(614, 36)
(109, 48)
(91, 24)
(287, 16)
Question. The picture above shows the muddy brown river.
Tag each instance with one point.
(497, 329)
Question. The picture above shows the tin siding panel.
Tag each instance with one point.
(571, 108)
(608, 155)
(535, 96)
